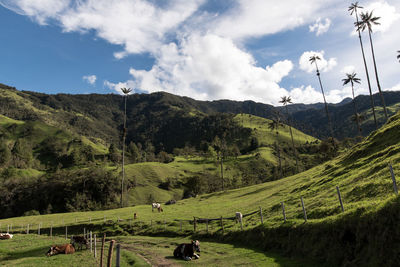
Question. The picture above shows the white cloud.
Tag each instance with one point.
(387, 13)
(211, 67)
(39, 10)
(117, 86)
(139, 26)
(252, 18)
(308, 94)
(323, 64)
(319, 27)
(348, 69)
(91, 79)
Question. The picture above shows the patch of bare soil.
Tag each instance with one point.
(151, 256)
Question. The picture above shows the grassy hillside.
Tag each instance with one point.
(361, 174)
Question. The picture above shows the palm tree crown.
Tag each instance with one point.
(353, 8)
(351, 78)
(285, 100)
(126, 91)
(367, 20)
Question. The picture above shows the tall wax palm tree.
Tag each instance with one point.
(126, 92)
(367, 20)
(274, 125)
(285, 100)
(398, 56)
(313, 59)
(351, 78)
(353, 8)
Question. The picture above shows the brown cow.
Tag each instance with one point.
(6, 236)
(61, 249)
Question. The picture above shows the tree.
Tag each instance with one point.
(313, 59)
(126, 92)
(285, 100)
(220, 147)
(367, 20)
(353, 8)
(351, 78)
(398, 56)
(274, 125)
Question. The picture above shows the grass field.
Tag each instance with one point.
(362, 174)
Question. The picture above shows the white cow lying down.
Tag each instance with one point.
(5, 236)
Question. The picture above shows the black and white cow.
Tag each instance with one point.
(188, 251)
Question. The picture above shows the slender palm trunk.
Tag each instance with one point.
(123, 156)
(326, 105)
(291, 135)
(222, 171)
(376, 75)
(366, 72)
(355, 111)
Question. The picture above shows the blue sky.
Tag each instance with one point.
(207, 50)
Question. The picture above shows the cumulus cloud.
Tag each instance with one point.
(41, 11)
(91, 79)
(308, 94)
(139, 26)
(261, 17)
(348, 69)
(211, 67)
(320, 27)
(323, 64)
(387, 13)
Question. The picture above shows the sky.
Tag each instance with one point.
(205, 49)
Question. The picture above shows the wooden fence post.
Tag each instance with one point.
(66, 232)
(110, 252)
(8, 228)
(241, 224)
(222, 225)
(304, 210)
(194, 224)
(103, 240)
(283, 211)
(393, 179)
(39, 229)
(95, 246)
(51, 230)
(181, 225)
(27, 229)
(261, 216)
(91, 242)
(340, 198)
(151, 223)
(84, 232)
(207, 225)
(118, 255)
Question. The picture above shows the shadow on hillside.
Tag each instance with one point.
(37, 252)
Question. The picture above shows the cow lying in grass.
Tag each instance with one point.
(80, 240)
(61, 249)
(5, 236)
(187, 251)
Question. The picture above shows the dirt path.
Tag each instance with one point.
(150, 255)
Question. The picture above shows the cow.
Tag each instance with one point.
(61, 249)
(5, 236)
(239, 217)
(80, 240)
(188, 251)
(156, 206)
